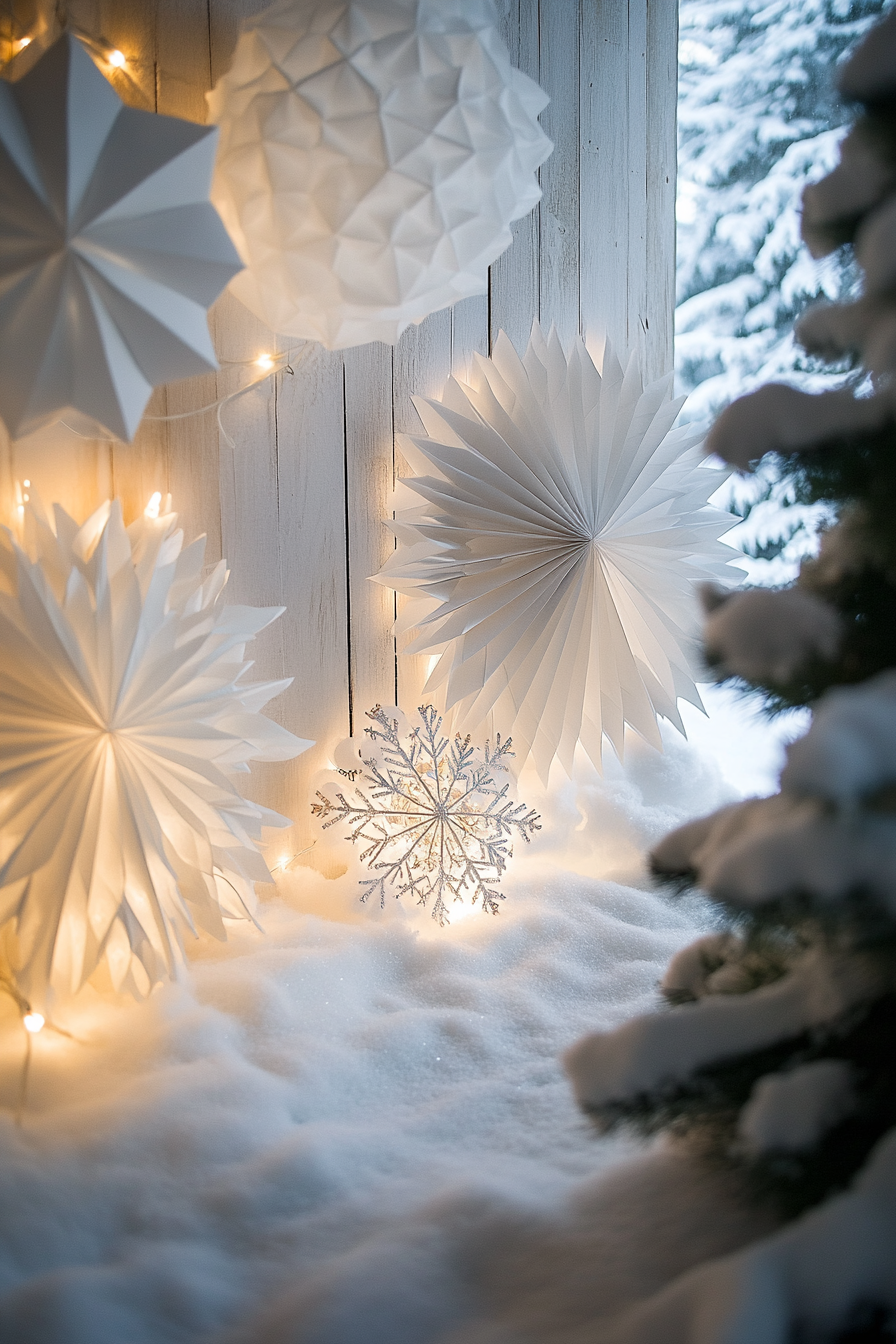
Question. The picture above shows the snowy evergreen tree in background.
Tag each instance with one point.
(777, 1054)
(758, 119)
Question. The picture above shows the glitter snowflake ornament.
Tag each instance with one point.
(438, 825)
(373, 155)
(549, 546)
(124, 723)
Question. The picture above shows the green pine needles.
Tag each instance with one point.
(776, 1055)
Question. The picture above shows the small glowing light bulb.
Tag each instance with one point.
(265, 362)
(26, 496)
(22, 43)
(33, 1022)
(118, 59)
(27, 484)
(152, 508)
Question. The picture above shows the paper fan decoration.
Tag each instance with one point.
(110, 250)
(124, 723)
(373, 154)
(552, 556)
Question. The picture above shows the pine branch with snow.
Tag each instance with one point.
(775, 1051)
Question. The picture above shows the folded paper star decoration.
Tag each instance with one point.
(110, 250)
(550, 545)
(125, 723)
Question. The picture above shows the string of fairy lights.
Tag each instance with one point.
(266, 365)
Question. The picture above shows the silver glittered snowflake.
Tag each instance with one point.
(439, 826)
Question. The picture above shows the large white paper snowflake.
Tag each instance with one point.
(551, 558)
(373, 155)
(437, 824)
(124, 721)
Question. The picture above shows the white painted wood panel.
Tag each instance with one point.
(294, 492)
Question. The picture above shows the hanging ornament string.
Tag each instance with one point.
(286, 361)
(32, 1023)
(118, 65)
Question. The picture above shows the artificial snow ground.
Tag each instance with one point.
(354, 1128)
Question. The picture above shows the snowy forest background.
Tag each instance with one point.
(758, 119)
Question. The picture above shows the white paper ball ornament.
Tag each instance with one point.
(373, 154)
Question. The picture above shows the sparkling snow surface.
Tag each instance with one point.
(354, 1128)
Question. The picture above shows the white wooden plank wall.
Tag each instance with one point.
(296, 502)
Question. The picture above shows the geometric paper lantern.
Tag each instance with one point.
(550, 546)
(110, 250)
(373, 154)
(124, 723)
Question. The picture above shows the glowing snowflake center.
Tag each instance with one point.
(446, 831)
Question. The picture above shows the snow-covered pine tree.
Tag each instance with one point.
(758, 119)
(778, 1053)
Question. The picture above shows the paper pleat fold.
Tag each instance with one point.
(124, 725)
(548, 548)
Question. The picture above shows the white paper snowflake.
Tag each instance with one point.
(124, 719)
(439, 826)
(550, 545)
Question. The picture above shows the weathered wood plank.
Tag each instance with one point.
(314, 630)
(421, 367)
(514, 276)
(604, 212)
(558, 215)
(638, 265)
(662, 153)
(469, 332)
(141, 467)
(368, 474)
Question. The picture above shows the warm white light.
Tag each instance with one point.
(167, 820)
(26, 496)
(22, 43)
(27, 484)
(265, 362)
(152, 508)
(33, 1022)
(118, 59)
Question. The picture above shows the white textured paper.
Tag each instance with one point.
(110, 250)
(373, 154)
(124, 720)
(550, 545)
